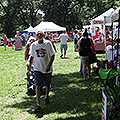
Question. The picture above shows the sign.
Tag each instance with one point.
(9, 43)
(18, 45)
(97, 22)
(104, 106)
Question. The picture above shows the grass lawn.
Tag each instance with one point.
(71, 98)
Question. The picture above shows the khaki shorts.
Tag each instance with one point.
(84, 59)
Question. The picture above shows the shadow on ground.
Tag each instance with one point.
(69, 95)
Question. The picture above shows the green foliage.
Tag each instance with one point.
(69, 13)
(16, 13)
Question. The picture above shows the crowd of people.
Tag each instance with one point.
(40, 52)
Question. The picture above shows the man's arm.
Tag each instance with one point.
(92, 45)
(50, 63)
(79, 45)
(31, 62)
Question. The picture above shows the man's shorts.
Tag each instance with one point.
(84, 59)
(63, 46)
(5, 44)
(42, 79)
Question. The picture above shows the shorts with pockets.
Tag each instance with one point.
(63, 46)
(42, 79)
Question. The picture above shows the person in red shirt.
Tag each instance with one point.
(5, 41)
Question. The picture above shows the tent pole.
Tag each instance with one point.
(105, 30)
(118, 39)
(112, 41)
(92, 28)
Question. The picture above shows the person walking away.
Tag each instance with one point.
(48, 38)
(76, 37)
(5, 41)
(43, 53)
(63, 38)
(84, 48)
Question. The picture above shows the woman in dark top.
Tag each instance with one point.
(84, 49)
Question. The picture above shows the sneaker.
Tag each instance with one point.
(37, 109)
(61, 55)
(47, 101)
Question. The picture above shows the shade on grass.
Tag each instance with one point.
(71, 98)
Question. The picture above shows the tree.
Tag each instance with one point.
(18, 14)
(61, 12)
(73, 13)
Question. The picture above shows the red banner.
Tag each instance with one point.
(18, 45)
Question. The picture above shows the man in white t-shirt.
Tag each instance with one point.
(42, 52)
(63, 38)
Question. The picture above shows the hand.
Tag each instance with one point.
(48, 68)
(29, 68)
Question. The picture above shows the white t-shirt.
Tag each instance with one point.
(42, 55)
(63, 37)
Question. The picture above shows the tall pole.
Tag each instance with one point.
(112, 40)
(118, 39)
(105, 30)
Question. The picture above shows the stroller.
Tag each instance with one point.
(112, 91)
(31, 84)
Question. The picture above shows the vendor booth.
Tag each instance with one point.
(114, 17)
(100, 45)
(111, 77)
(100, 20)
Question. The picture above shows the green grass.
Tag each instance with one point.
(71, 97)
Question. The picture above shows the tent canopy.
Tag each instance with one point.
(100, 19)
(113, 17)
(26, 30)
(47, 26)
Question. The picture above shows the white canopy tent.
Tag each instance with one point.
(47, 26)
(26, 30)
(29, 28)
(114, 17)
(101, 21)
